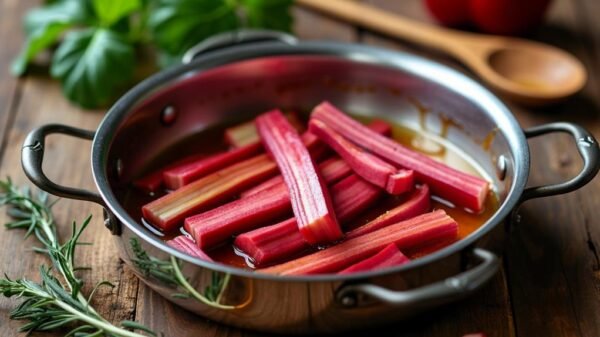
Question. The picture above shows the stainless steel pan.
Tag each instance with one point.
(238, 75)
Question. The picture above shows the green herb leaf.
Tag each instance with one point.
(92, 64)
(268, 14)
(179, 24)
(111, 11)
(66, 12)
(37, 42)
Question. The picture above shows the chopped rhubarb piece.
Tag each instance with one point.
(370, 167)
(311, 141)
(281, 241)
(277, 180)
(242, 135)
(389, 256)
(184, 244)
(167, 212)
(181, 175)
(219, 224)
(332, 170)
(152, 182)
(410, 234)
(309, 197)
(459, 188)
(416, 203)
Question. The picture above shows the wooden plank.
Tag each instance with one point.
(11, 36)
(553, 258)
(67, 162)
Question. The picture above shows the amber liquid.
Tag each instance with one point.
(434, 146)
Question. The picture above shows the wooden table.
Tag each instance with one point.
(549, 284)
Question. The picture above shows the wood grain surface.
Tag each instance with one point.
(550, 281)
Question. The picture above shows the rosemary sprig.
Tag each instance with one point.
(169, 273)
(54, 303)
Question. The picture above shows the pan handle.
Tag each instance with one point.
(444, 291)
(32, 157)
(242, 36)
(588, 149)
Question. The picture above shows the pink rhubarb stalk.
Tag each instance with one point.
(460, 188)
(309, 197)
(416, 203)
(282, 241)
(332, 170)
(168, 211)
(389, 256)
(219, 224)
(411, 234)
(153, 181)
(184, 244)
(370, 167)
(181, 175)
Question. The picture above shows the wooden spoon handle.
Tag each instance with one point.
(385, 22)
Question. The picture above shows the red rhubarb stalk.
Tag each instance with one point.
(311, 142)
(370, 167)
(332, 170)
(181, 175)
(417, 203)
(168, 211)
(219, 224)
(309, 197)
(186, 245)
(282, 241)
(153, 181)
(420, 231)
(389, 256)
(460, 188)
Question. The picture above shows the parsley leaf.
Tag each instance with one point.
(45, 25)
(179, 24)
(110, 11)
(39, 40)
(66, 11)
(268, 14)
(91, 63)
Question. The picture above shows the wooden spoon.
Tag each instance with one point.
(525, 71)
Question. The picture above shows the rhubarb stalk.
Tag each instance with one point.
(388, 257)
(309, 197)
(370, 167)
(167, 212)
(460, 188)
(184, 244)
(282, 241)
(219, 224)
(332, 170)
(153, 181)
(416, 203)
(417, 232)
(181, 175)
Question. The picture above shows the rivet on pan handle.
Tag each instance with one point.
(440, 292)
(236, 37)
(588, 150)
(32, 157)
